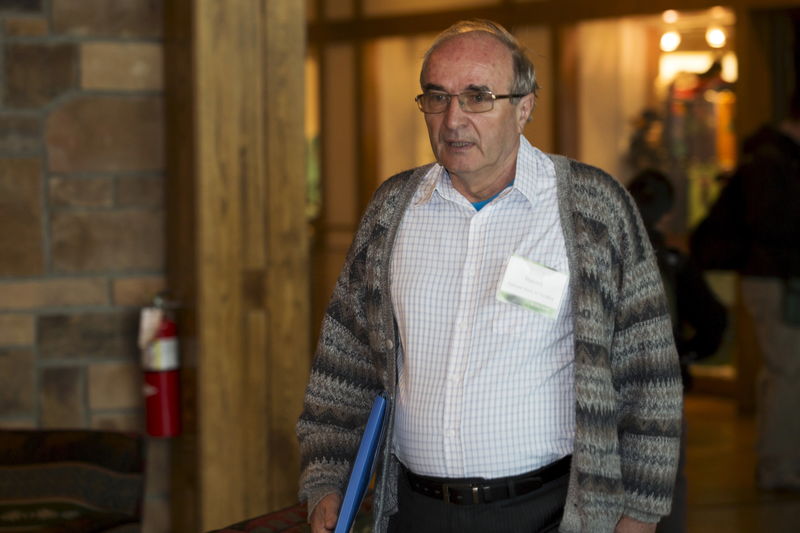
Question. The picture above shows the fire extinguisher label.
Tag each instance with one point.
(149, 321)
(161, 355)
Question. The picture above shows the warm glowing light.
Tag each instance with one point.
(717, 12)
(715, 37)
(670, 16)
(670, 41)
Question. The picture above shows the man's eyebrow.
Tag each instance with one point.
(471, 87)
(432, 87)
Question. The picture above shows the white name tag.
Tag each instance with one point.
(532, 286)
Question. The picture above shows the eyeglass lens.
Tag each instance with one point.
(470, 101)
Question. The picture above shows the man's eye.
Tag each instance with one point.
(476, 98)
(436, 98)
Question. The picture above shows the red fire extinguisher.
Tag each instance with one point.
(160, 362)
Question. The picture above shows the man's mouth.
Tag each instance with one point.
(459, 144)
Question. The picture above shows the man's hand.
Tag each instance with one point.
(627, 524)
(323, 518)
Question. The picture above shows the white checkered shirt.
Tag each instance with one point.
(485, 387)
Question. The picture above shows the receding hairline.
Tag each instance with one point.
(477, 25)
(444, 39)
(523, 78)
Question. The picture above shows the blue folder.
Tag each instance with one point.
(363, 466)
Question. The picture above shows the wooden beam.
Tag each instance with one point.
(230, 138)
(545, 12)
(288, 298)
(243, 174)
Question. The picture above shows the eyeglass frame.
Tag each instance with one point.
(418, 100)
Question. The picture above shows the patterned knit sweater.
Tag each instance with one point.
(627, 381)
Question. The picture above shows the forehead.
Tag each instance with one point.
(470, 59)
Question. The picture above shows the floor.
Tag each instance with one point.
(722, 495)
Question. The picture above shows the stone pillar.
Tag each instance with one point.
(81, 215)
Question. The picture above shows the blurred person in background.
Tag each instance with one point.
(754, 228)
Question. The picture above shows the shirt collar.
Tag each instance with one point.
(436, 183)
(533, 174)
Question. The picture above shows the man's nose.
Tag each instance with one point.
(454, 114)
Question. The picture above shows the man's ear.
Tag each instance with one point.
(524, 110)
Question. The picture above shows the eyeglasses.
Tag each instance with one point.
(469, 101)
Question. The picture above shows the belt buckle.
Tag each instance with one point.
(446, 494)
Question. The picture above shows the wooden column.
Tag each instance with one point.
(565, 97)
(754, 86)
(753, 109)
(238, 257)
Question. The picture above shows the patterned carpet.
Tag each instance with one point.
(72, 481)
(293, 520)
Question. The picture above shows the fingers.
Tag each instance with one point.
(627, 524)
(331, 515)
(325, 514)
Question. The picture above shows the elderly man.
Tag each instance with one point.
(508, 304)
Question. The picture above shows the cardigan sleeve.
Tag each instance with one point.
(355, 352)
(343, 380)
(647, 377)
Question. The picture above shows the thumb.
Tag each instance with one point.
(331, 513)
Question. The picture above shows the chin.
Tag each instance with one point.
(455, 164)
(453, 168)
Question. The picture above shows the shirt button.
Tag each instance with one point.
(389, 345)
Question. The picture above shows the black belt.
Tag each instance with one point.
(468, 492)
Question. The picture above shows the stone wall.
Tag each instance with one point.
(81, 215)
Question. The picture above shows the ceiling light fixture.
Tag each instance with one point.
(670, 41)
(670, 16)
(715, 37)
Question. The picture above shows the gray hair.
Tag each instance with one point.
(524, 81)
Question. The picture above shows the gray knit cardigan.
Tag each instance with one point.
(627, 382)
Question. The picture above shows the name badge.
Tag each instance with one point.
(532, 286)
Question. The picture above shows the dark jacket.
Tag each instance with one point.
(754, 227)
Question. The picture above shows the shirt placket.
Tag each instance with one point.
(459, 354)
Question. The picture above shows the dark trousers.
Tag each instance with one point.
(537, 511)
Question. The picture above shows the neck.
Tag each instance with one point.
(476, 191)
(479, 186)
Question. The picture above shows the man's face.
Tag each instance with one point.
(478, 149)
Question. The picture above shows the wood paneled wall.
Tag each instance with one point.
(238, 256)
